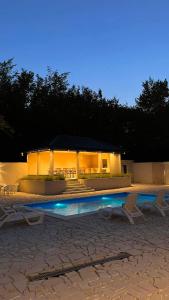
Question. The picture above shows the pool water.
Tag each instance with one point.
(78, 206)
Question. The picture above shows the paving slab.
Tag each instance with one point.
(56, 244)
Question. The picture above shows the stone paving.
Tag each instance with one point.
(56, 244)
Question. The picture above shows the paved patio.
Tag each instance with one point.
(56, 244)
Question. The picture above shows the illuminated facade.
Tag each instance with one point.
(72, 156)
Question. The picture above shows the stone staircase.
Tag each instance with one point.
(74, 186)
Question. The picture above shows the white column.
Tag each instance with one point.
(99, 162)
(37, 171)
(119, 163)
(77, 164)
(115, 164)
(111, 162)
(51, 163)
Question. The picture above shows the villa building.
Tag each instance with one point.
(72, 156)
(68, 164)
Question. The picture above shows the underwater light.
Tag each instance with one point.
(105, 198)
(60, 205)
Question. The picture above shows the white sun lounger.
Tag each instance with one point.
(8, 189)
(17, 214)
(159, 203)
(128, 209)
(2, 188)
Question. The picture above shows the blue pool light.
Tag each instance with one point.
(105, 198)
(60, 205)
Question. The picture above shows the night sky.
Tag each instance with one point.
(112, 45)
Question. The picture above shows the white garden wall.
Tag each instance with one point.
(143, 173)
(10, 173)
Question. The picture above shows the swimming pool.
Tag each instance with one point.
(78, 206)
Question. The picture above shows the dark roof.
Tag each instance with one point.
(68, 142)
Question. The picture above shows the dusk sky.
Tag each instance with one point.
(112, 45)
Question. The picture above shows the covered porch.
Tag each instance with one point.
(73, 163)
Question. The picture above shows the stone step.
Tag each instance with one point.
(79, 188)
(72, 184)
(72, 181)
(78, 191)
(75, 186)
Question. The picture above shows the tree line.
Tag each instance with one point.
(34, 109)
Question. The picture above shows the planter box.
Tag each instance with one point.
(42, 187)
(107, 183)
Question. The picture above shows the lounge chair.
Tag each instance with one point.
(16, 214)
(1, 188)
(159, 203)
(9, 189)
(129, 209)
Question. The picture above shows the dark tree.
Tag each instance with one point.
(33, 109)
(154, 96)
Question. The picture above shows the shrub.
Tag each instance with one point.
(100, 175)
(45, 177)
